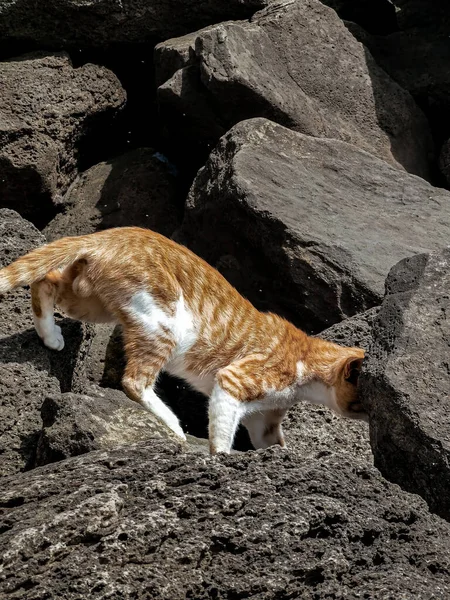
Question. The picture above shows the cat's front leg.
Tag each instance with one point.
(145, 358)
(225, 412)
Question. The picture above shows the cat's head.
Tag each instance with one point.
(344, 380)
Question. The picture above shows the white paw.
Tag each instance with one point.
(55, 340)
(179, 432)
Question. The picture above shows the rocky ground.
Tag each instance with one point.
(303, 149)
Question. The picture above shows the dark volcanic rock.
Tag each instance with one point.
(355, 331)
(46, 106)
(295, 63)
(104, 23)
(103, 363)
(444, 160)
(152, 522)
(137, 188)
(74, 424)
(28, 370)
(406, 383)
(308, 227)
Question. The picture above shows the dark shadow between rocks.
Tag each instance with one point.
(404, 151)
(28, 449)
(376, 16)
(138, 124)
(37, 208)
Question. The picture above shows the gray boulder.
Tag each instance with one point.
(137, 188)
(281, 65)
(46, 106)
(150, 521)
(308, 227)
(74, 424)
(28, 370)
(102, 24)
(406, 383)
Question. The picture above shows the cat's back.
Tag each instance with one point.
(144, 260)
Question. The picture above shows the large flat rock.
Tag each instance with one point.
(308, 227)
(46, 107)
(295, 63)
(406, 379)
(150, 521)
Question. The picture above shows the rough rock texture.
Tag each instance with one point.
(46, 106)
(444, 161)
(149, 521)
(297, 64)
(103, 23)
(137, 188)
(74, 424)
(405, 383)
(28, 371)
(356, 331)
(103, 363)
(308, 227)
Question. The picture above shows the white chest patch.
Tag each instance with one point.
(157, 321)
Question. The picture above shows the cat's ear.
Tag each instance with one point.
(352, 364)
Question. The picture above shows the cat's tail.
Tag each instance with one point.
(35, 265)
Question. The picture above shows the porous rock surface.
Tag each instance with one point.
(405, 383)
(46, 106)
(308, 227)
(99, 24)
(355, 331)
(297, 64)
(149, 521)
(137, 188)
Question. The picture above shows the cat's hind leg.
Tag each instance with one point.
(43, 294)
(264, 428)
(146, 356)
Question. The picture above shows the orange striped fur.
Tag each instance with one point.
(179, 314)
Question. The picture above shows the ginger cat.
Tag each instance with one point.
(179, 314)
